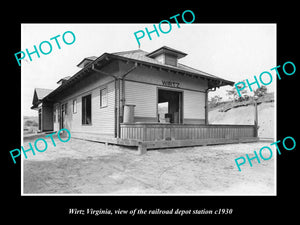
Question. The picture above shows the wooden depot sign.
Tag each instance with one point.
(170, 84)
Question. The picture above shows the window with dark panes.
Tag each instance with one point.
(86, 110)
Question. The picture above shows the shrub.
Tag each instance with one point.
(30, 123)
(259, 92)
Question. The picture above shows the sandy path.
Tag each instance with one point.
(89, 168)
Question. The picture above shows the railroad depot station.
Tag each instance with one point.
(137, 98)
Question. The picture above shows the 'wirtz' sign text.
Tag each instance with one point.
(170, 83)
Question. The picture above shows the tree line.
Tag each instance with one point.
(233, 95)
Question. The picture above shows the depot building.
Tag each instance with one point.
(137, 98)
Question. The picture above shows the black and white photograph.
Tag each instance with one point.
(133, 112)
(148, 117)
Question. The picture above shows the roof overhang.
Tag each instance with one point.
(213, 81)
(105, 58)
(37, 105)
(100, 61)
(86, 61)
(38, 96)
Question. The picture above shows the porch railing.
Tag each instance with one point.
(158, 131)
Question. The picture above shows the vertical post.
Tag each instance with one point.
(116, 110)
(122, 86)
(206, 107)
(42, 118)
(255, 117)
(118, 106)
(144, 132)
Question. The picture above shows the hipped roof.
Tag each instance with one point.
(38, 95)
(141, 58)
(166, 49)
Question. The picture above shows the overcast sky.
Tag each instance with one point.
(232, 51)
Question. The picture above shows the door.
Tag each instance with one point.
(63, 116)
(40, 119)
(87, 110)
(169, 106)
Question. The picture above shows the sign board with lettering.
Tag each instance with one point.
(170, 84)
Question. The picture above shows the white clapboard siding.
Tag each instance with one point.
(103, 120)
(143, 96)
(104, 117)
(194, 103)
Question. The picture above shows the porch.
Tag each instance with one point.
(158, 135)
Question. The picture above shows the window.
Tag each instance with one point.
(86, 110)
(103, 97)
(170, 60)
(75, 106)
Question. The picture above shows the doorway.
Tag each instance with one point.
(169, 106)
(40, 119)
(86, 110)
(63, 115)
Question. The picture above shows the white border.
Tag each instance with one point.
(275, 138)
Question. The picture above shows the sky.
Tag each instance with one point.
(231, 51)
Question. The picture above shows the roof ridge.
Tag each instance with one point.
(178, 52)
(129, 51)
(90, 57)
(42, 92)
(43, 88)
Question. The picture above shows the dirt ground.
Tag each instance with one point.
(83, 167)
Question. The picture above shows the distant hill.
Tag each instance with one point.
(243, 113)
(30, 118)
(30, 124)
(227, 105)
